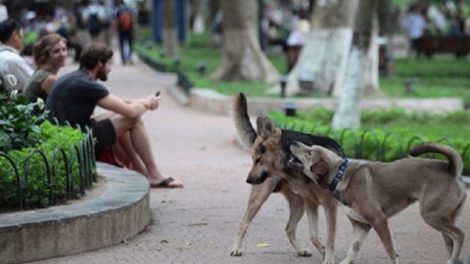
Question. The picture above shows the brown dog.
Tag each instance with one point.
(375, 191)
(270, 173)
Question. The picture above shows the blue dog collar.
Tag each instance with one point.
(339, 175)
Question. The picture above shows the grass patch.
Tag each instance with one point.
(438, 77)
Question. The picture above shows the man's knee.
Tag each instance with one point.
(123, 124)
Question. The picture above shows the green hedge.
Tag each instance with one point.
(31, 151)
(30, 164)
(383, 141)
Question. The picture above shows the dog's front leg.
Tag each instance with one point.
(312, 216)
(331, 214)
(359, 233)
(259, 194)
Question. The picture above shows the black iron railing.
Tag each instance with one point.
(375, 145)
(85, 175)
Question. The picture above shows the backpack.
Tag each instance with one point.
(125, 20)
(94, 25)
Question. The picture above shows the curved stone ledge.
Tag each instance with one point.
(116, 210)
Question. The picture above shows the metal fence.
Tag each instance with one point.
(369, 145)
(83, 153)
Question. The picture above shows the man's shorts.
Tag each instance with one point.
(104, 133)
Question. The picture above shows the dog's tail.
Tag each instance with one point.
(239, 113)
(455, 160)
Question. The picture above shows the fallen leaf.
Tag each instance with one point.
(262, 245)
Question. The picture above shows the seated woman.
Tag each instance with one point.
(49, 55)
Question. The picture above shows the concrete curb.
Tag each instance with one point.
(114, 211)
(208, 100)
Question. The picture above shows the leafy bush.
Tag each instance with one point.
(36, 152)
(19, 125)
(386, 135)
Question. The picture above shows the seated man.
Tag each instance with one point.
(74, 96)
(14, 69)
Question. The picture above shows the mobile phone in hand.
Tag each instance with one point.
(157, 93)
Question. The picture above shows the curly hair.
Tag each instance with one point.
(93, 53)
(43, 46)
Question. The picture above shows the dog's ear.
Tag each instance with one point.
(320, 168)
(265, 127)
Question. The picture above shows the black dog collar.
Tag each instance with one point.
(338, 176)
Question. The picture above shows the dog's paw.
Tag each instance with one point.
(347, 261)
(236, 253)
(304, 253)
(328, 261)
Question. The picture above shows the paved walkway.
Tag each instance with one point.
(197, 224)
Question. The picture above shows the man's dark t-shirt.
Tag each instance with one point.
(73, 98)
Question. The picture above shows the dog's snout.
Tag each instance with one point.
(253, 179)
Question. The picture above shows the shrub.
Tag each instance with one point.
(37, 154)
(386, 135)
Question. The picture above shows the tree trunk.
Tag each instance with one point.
(243, 59)
(371, 84)
(324, 54)
(199, 16)
(169, 33)
(348, 111)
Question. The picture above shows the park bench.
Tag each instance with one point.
(430, 45)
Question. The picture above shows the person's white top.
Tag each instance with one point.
(299, 36)
(3, 12)
(296, 38)
(94, 9)
(414, 25)
(14, 69)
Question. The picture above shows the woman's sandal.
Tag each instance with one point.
(166, 184)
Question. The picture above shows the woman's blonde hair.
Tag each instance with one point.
(43, 46)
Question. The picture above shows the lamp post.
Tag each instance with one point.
(306, 84)
(290, 108)
(410, 85)
(283, 82)
(177, 62)
(201, 68)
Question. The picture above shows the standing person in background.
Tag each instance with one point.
(49, 54)
(14, 69)
(107, 27)
(94, 17)
(124, 22)
(3, 12)
(415, 26)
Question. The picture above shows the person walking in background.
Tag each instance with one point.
(14, 69)
(74, 96)
(124, 22)
(49, 54)
(94, 17)
(415, 26)
(107, 27)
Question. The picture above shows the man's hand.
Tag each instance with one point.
(152, 102)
